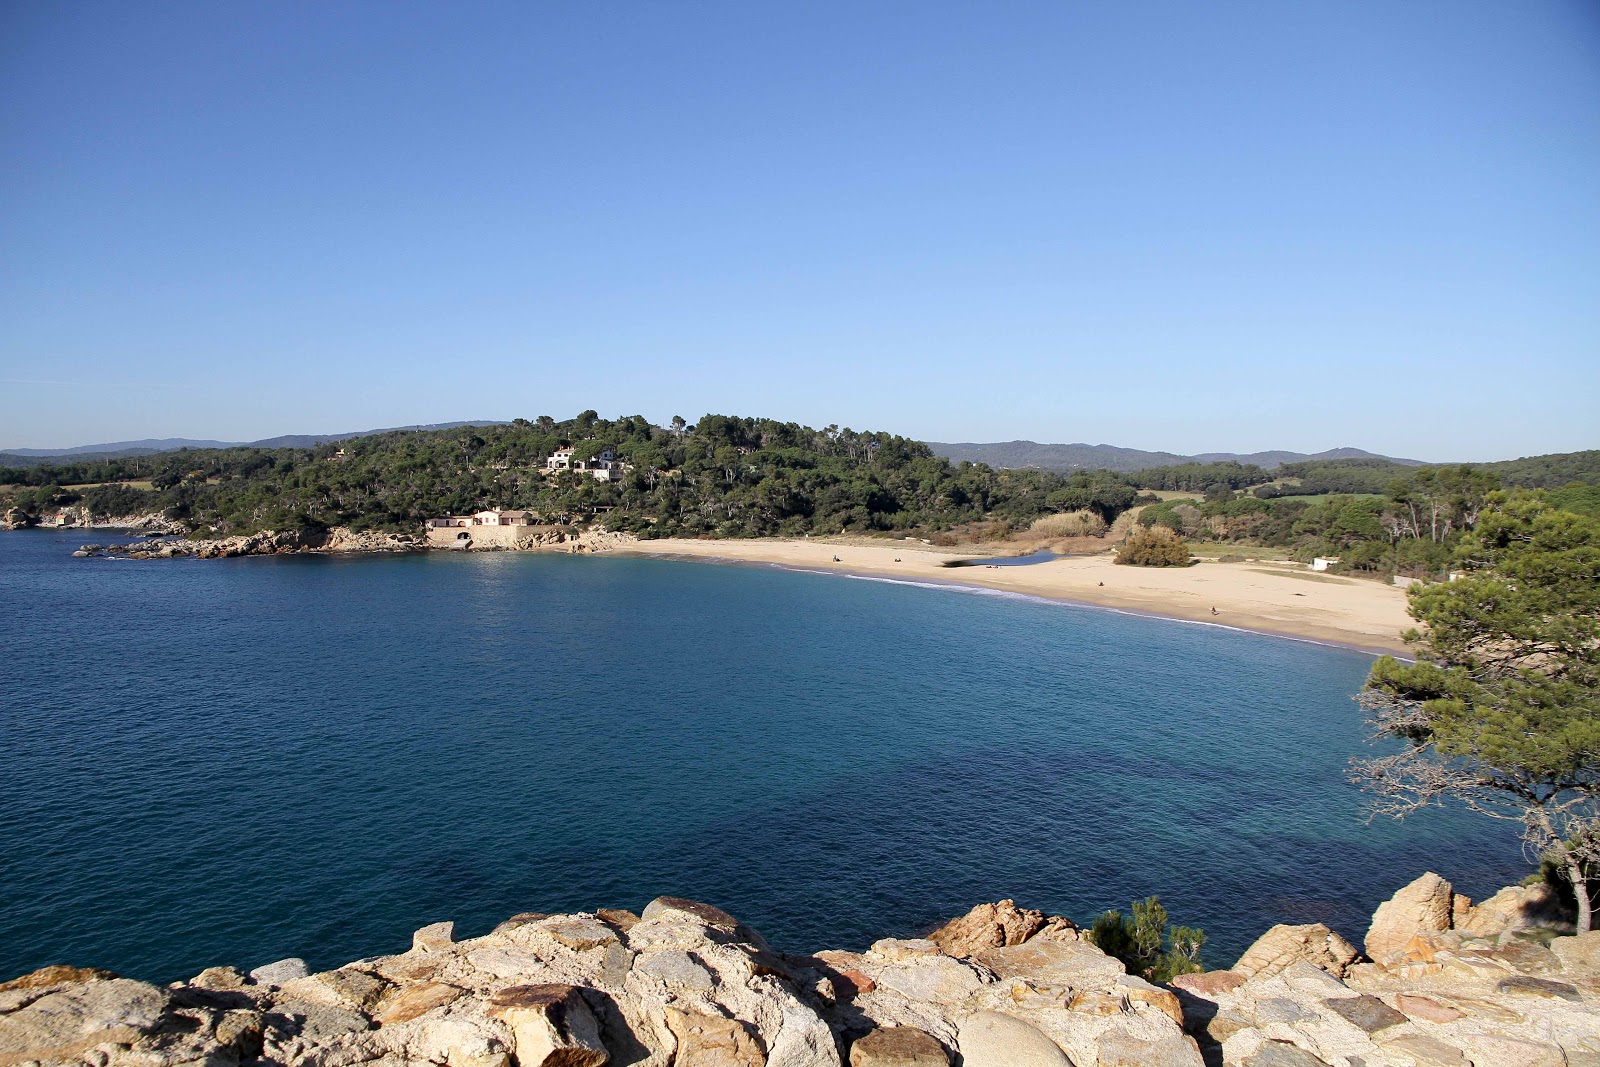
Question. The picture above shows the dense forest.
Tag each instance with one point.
(723, 476)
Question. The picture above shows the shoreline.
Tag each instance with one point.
(1252, 597)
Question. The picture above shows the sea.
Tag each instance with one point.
(236, 761)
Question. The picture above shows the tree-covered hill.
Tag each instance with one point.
(724, 476)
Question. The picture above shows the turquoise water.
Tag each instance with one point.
(234, 761)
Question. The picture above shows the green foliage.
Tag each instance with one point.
(1501, 710)
(724, 477)
(1145, 944)
(1154, 546)
(1200, 477)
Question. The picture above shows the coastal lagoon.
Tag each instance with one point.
(234, 761)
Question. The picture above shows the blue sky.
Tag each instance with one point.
(1180, 226)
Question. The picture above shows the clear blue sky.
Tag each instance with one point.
(1184, 226)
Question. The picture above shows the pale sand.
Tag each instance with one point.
(1268, 598)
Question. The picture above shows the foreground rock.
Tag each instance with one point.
(684, 983)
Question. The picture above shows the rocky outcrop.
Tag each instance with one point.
(1281, 946)
(998, 925)
(265, 543)
(685, 984)
(1424, 906)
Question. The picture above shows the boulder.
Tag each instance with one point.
(280, 973)
(551, 1026)
(1579, 955)
(898, 1046)
(435, 938)
(997, 925)
(1423, 906)
(1283, 945)
(990, 1039)
(1513, 908)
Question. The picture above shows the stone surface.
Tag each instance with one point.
(1208, 984)
(1580, 955)
(691, 985)
(990, 1039)
(704, 913)
(1283, 945)
(417, 1000)
(1526, 985)
(1427, 1009)
(436, 938)
(898, 1046)
(1070, 963)
(1424, 1051)
(1118, 1048)
(996, 926)
(276, 974)
(1367, 1012)
(579, 932)
(1423, 905)
(1283, 1054)
(713, 1041)
(1513, 908)
(551, 1025)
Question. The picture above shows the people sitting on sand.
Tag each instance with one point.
(836, 559)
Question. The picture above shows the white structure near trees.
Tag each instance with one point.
(603, 466)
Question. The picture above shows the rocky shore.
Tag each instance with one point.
(1441, 983)
(340, 539)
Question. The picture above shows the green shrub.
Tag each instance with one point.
(1145, 944)
(1154, 546)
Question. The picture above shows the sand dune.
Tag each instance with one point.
(1269, 598)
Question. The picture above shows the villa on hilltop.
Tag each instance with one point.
(605, 467)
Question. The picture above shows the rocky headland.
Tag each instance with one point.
(1440, 983)
(340, 539)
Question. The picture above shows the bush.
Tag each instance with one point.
(1154, 546)
(1137, 940)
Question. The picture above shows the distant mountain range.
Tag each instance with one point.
(1109, 457)
(29, 457)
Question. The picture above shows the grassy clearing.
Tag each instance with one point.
(1175, 494)
(1325, 496)
(94, 485)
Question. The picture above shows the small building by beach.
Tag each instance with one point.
(1322, 563)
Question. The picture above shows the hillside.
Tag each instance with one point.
(1022, 454)
(726, 476)
(31, 457)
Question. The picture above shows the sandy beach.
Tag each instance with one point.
(1269, 598)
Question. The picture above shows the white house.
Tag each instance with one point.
(501, 517)
(604, 466)
(1322, 563)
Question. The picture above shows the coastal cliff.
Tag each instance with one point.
(683, 983)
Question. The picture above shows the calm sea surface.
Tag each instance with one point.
(239, 760)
